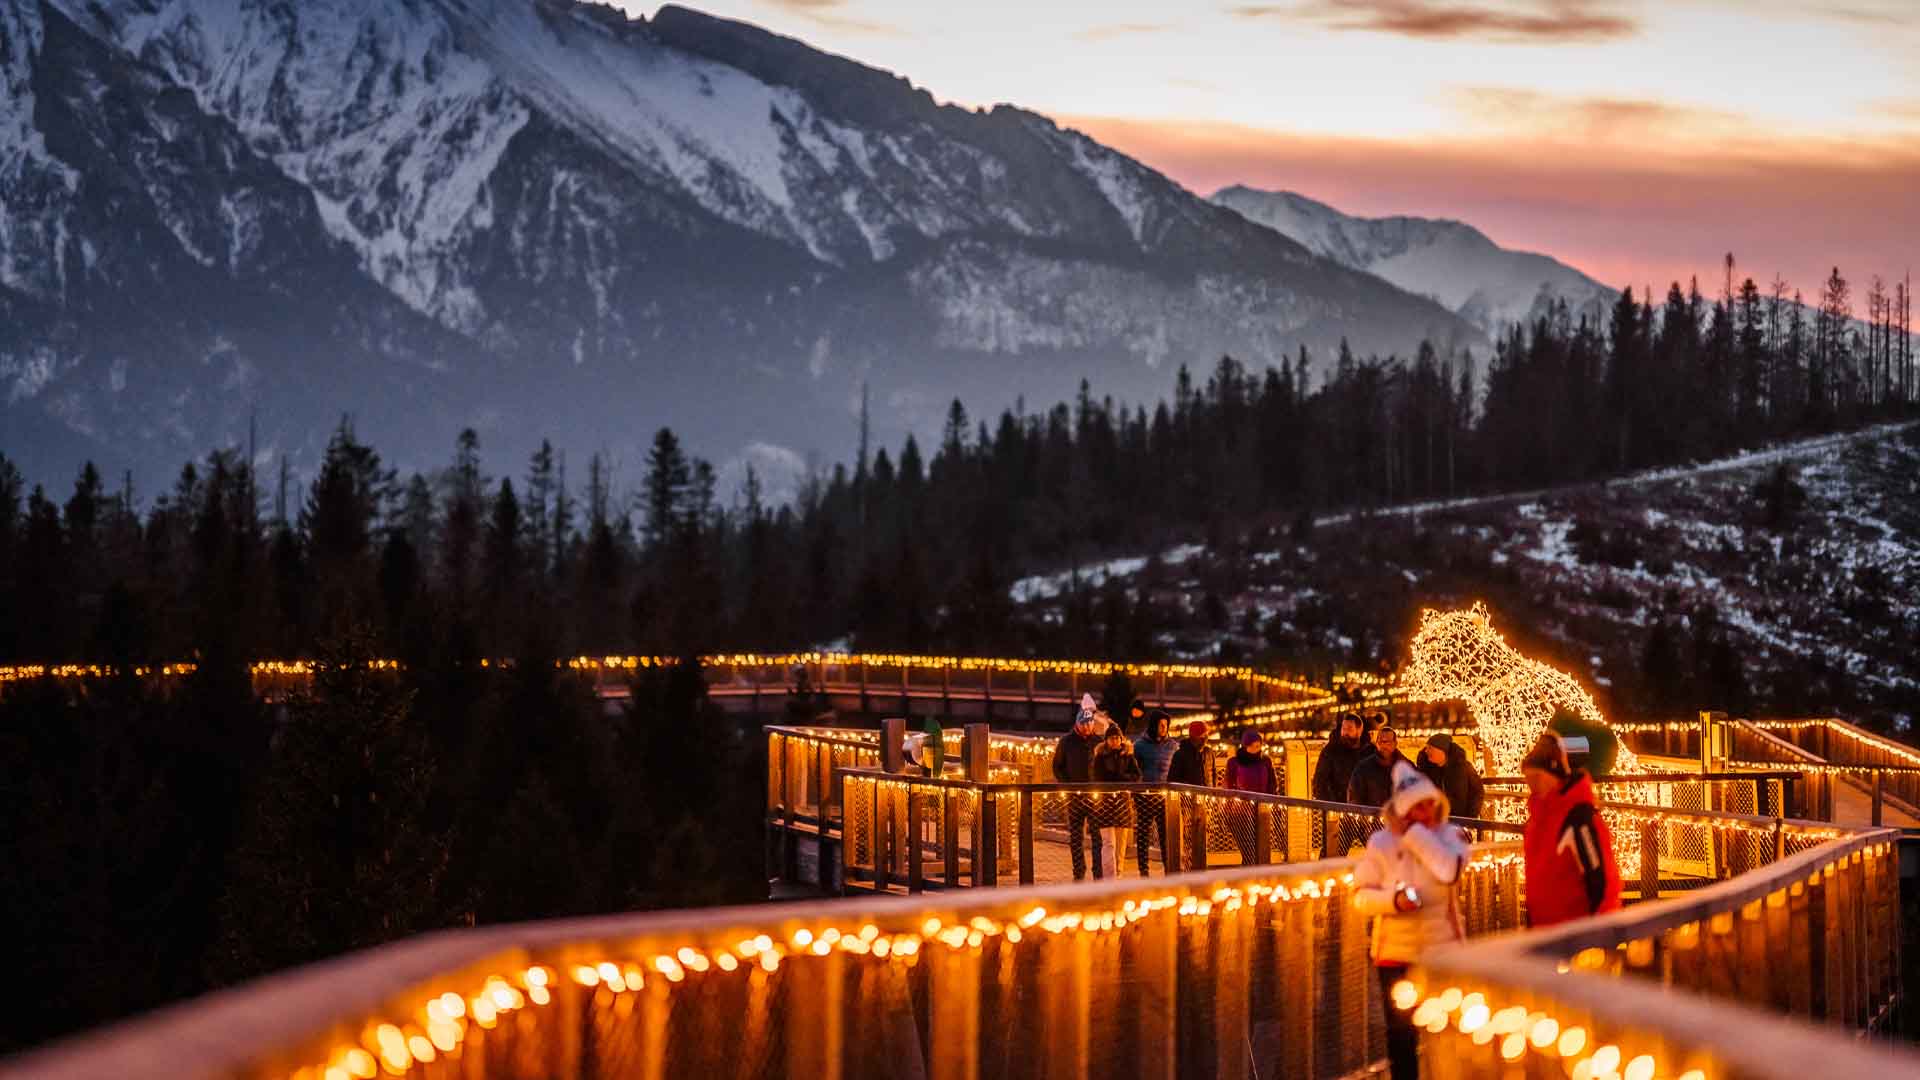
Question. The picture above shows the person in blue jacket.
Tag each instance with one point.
(1154, 750)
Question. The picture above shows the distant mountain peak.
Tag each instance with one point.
(1451, 261)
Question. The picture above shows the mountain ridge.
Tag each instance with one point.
(548, 218)
(1450, 261)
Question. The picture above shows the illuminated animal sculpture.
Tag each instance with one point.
(1459, 656)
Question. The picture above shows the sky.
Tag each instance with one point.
(1639, 140)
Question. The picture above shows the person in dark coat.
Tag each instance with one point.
(1445, 763)
(1372, 780)
(1192, 762)
(1073, 764)
(1154, 750)
(1114, 762)
(1345, 749)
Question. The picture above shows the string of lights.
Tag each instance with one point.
(445, 1018)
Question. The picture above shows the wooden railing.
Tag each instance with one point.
(1833, 750)
(1251, 971)
(1814, 936)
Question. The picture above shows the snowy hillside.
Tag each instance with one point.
(542, 217)
(1778, 581)
(1454, 263)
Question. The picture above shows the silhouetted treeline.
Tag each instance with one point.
(914, 548)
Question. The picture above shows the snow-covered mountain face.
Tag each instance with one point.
(1454, 263)
(544, 218)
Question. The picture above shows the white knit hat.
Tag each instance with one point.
(1411, 787)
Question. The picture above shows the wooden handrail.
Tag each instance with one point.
(274, 1025)
(1645, 920)
(1763, 1046)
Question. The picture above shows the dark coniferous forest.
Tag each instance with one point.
(183, 838)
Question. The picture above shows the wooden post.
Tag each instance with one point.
(814, 1016)
(1156, 974)
(1026, 837)
(893, 737)
(975, 753)
(789, 801)
(1879, 794)
(949, 837)
(1262, 833)
(881, 835)
(1066, 997)
(1228, 934)
(954, 1002)
(916, 868)
(986, 841)
(829, 791)
(1776, 933)
(1197, 836)
(1800, 950)
(1819, 946)
(1171, 852)
(1649, 860)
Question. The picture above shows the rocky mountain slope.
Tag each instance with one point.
(1454, 263)
(548, 218)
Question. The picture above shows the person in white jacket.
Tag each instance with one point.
(1405, 878)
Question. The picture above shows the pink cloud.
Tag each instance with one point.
(1625, 217)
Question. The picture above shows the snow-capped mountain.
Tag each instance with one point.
(1454, 263)
(540, 217)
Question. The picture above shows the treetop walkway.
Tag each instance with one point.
(1764, 939)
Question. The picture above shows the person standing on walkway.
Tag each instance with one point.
(1154, 750)
(1445, 763)
(1405, 879)
(1114, 763)
(1372, 779)
(1346, 748)
(1073, 764)
(1249, 770)
(1192, 762)
(1571, 869)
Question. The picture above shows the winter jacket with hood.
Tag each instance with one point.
(1115, 766)
(1155, 754)
(1248, 771)
(1429, 860)
(1571, 871)
(1372, 779)
(1457, 778)
(1336, 765)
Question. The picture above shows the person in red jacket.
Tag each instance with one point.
(1571, 870)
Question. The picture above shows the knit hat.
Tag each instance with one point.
(1548, 753)
(1410, 787)
(1249, 737)
(1087, 707)
(1442, 741)
(1197, 729)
